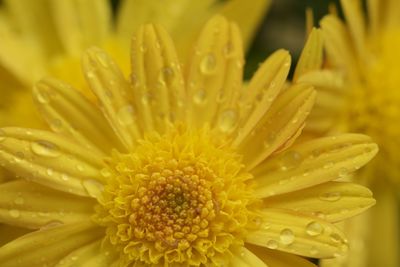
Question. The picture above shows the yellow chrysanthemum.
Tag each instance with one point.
(359, 91)
(178, 167)
(47, 37)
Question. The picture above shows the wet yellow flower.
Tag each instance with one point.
(47, 38)
(359, 91)
(178, 167)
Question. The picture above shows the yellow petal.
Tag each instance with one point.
(81, 24)
(332, 201)
(262, 90)
(338, 44)
(114, 93)
(47, 158)
(243, 257)
(48, 246)
(311, 56)
(239, 10)
(279, 125)
(90, 255)
(30, 205)
(274, 258)
(9, 233)
(298, 234)
(67, 112)
(156, 78)
(217, 62)
(313, 163)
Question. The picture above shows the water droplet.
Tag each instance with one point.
(228, 120)
(80, 168)
(126, 115)
(290, 160)
(42, 96)
(200, 97)
(102, 58)
(51, 224)
(314, 251)
(105, 172)
(336, 238)
(228, 50)
(93, 187)
(45, 149)
(147, 98)
(14, 213)
(343, 172)
(329, 165)
(330, 196)
(64, 177)
(208, 64)
(19, 201)
(19, 155)
(286, 236)
(314, 228)
(50, 172)
(272, 244)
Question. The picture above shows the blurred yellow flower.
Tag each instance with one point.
(178, 167)
(358, 91)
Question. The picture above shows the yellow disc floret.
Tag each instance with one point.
(180, 197)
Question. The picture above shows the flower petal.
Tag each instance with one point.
(48, 246)
(298, 234)
(313, 163)
(81, 24)
(279, 125)
(332, 201)
(242, 257)
(91, 254)
(217, 62)
(114, 93)
(49, 159)
(262, 90)
(69, 113)
(274, 258)
(29, 205)
(311, 56)
(156, 78)
(9, 233)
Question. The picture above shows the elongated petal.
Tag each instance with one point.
(49, 159)
(216, 63)
(156, 78)
(243, 257)
(311, 56)
(48, 246)
(114, 93)
(274, 258)
(262, 90)
(338, 44)
(9, 233)
(81, 24)
(281, 123)
(298, 234)
(69, 113)
(31, 205)
(90, 255)
(313, 163)
(332, 201)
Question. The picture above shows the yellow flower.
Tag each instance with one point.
(359, 91)
(178, 167)
(48, 37)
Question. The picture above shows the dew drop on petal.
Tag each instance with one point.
(290, 160)
(330, 196)
(208, 63)
(272, 244)
(105, 172)
(314, 228)
(19, 201)
(45, 149)
(126, 115)
(200, 97)
(228, 120)
(64, 177)
(336, 238)
(14, 213)
(51, 224)
(93, 187)
(286, 236)
(43, 96)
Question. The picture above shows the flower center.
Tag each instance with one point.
(374, 101)
(179, 198)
